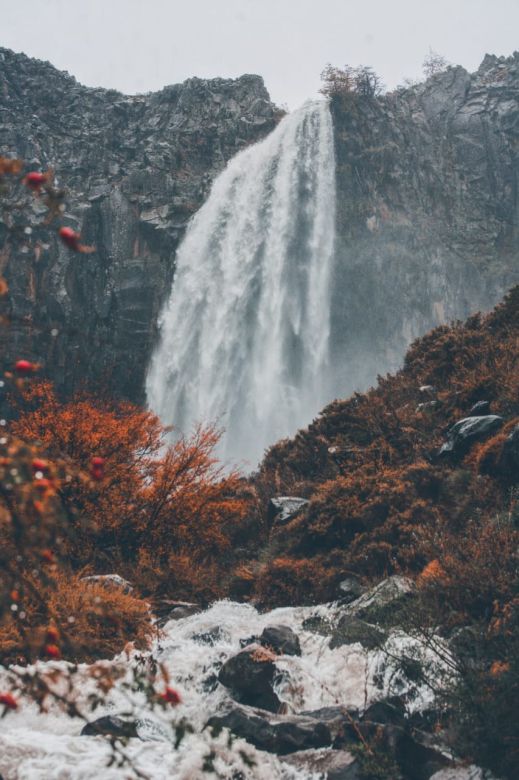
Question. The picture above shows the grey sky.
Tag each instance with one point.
(142, 45)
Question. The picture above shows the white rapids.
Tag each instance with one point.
(48, 746)
(244, 337)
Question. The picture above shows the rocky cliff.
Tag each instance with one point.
(135, 170)
(428, 210)
(427, 229)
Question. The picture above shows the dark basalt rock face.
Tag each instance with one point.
(428, 211)
(136, 169)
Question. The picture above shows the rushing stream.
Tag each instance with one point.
(34, 746)
(245, 334)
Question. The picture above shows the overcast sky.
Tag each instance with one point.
(142, 45)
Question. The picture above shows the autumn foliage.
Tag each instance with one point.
(369, 465)
(161, 512)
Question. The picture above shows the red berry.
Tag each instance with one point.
(39, 465)
(8, 700)
(97, 461)
(69, 237)
(52, 651)
(34, 180)
(24, 367)
(171, 696)
(42, 484)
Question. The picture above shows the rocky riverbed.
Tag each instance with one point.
(294, 689)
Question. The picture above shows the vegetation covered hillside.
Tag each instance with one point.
(371, 467)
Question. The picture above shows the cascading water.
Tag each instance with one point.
(245, 334)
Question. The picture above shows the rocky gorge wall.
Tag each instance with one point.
(427, 210)
(135, 170)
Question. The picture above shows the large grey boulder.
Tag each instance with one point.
(281, 734)
(250, 677)
(466, 432)
(283, 509)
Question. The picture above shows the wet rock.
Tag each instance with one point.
(384, 603)
(350, 589)
(318, 624)
(110, 726)
(250, 677)
(339, 721)
(281, 639)
(144, 729)
(480, 409)
(209, 637)
(281, 734)
(509, 460)
(416, 754)
(426, 406)
(110, 581)
(283, 509)
(387, 711)
(466, 432)
(351, 630)
(330, 764)
(166, 610)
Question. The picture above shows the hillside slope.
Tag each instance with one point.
(371, 468)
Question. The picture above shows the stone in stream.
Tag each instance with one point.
(351, 630)
(280, 734)
(350, 589)
(383, 603)
(331, 764)
(281, 639)
(167, 609)
(114, 726)
(250, 677)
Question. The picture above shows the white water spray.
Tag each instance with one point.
(245, 334)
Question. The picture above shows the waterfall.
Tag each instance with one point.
(244, 337)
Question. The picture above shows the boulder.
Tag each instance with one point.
(350, 630)
(510, 453)
(283, 509)
(166, 610)
(110, 726)
(350, 589)
(250, 677)
(281, 734)
(331, 764)
(427, 390)
(318, 624)
(480, 409)
(281, 639)
(387, 711)
(466, 432)
(109, 581)
(114, 726)
(210, 637)
(383, 603)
